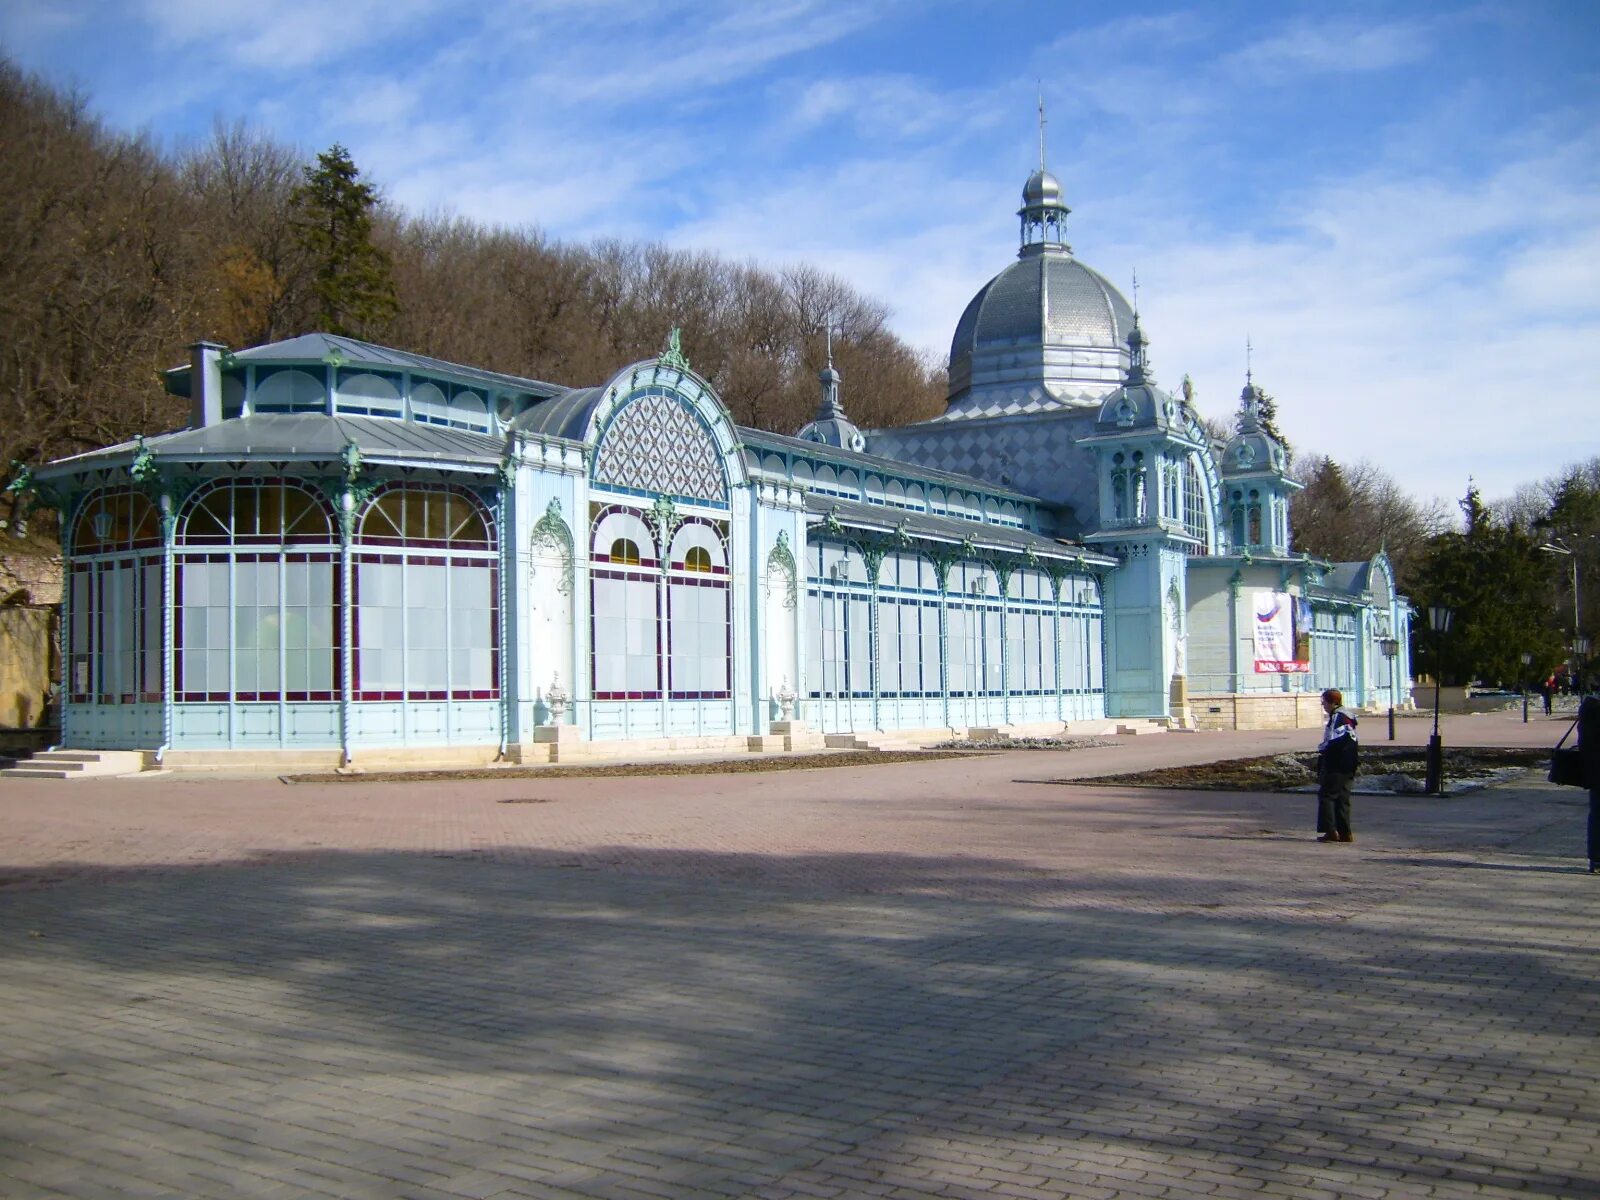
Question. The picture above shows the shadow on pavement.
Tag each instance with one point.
(729, 1023)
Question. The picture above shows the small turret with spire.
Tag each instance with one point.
(1139, 369)
(831, 426)
(1043, 213)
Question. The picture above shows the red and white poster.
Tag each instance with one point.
(1274, 629)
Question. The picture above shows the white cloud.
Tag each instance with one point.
(284, 36)
(1331, 47)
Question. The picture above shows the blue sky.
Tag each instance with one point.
(1397, 204)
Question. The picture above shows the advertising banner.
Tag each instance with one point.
(1277, 648)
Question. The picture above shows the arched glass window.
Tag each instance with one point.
(426, 594)
(625, 551)
(421, 516)
(366, 394)
(1119, 487)
(255, 512)
(1196, 505)
(255, 592)
(699, 628)
(428, 404)
(289, 391)
(469, 410)
(116, 520)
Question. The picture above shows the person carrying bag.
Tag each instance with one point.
(1579, 766)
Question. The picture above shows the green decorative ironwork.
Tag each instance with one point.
(143, 468)
(350, 456)
(902, 535)
(943, 558)
(1004, 569)
(672, 355)
(831, 524)
(872, 554)
(1058, 574)
(667, 520)
(21, 479)
(28, 496)
(782, 557)
(552, 530)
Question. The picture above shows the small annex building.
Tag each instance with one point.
(356, 554)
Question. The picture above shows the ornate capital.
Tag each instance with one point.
(667, 520)
(350, 456)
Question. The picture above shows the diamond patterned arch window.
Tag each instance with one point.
(657, 445)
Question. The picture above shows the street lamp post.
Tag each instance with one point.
(1580, 652)
(1526, 659)
(1557, 546)
(1439, 621)
(1390, 647)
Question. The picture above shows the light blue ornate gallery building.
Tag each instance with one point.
(358, 553)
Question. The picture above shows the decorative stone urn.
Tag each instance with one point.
(555, 698)
(785, 696)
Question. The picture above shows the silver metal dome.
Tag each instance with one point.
(1046, 325)
(1041, 188)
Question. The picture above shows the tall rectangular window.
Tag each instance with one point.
(425, 629)
(380, 629)
(256, 628)
(114, 631)
(698, 614)
(626, 649)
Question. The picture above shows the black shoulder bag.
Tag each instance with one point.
(1566, 765)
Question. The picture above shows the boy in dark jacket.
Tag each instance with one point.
(1336, 770)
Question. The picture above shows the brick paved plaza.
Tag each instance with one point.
(928, 979)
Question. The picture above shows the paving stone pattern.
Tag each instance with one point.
(926, 980)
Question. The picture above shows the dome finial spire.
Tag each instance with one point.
(1041, 126)
(1249, 376)
(1043, 213)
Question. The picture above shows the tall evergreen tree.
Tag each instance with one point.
(1496, 583)
(352, 276)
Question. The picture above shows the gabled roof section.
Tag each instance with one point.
(303, 437)
(351, 352)
(894, 468)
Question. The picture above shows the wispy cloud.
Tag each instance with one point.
(1339, 46)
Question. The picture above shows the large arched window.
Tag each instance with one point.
(699, 635)
(257, 569)
(426, 597)
(254, 513)
(661, 623)
(114, 600)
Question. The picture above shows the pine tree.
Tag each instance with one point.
(352, 276)
(1267, 413)
(1495, 581)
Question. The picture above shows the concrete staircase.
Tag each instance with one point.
(79, 764)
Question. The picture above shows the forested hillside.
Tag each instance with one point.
(116, 255)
